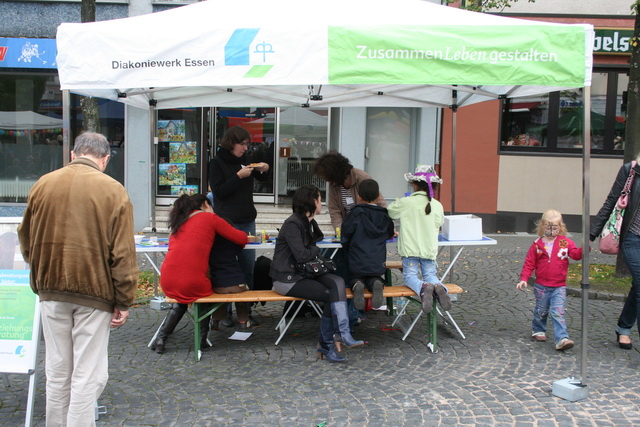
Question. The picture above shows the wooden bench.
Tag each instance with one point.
(220, 300)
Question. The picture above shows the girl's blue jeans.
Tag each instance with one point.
(412, 267)
(550, 300)
(631, 311)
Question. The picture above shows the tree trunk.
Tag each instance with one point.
(89, 106)
(91, 114)
(632, 135)
(632, 132)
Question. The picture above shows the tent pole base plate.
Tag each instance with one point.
(570, 389)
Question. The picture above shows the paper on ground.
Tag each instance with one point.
(240, 336)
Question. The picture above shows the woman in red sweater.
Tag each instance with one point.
(184, 274)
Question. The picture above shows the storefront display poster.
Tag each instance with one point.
(172, 174)
(179, 190)
(171, 130)
(183, 152)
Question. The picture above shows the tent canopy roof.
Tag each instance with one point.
(27, 120)
(333, 53)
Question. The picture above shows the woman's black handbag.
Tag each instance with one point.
(316, 267)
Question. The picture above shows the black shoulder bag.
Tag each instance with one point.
(316, 267)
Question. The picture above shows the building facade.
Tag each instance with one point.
(509, 152)
(518, 157)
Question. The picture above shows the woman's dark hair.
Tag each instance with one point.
(234, 135)
(333, 167)
(183, 207)
(304, 200)
(423, 186)
(369, 190)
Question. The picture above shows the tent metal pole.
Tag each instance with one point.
(454, 127)
(454, 110)
(586, 93)
(571, 388)
(152, 161)
(66, 126)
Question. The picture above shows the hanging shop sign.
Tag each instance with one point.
(612, 41)
(28, 53)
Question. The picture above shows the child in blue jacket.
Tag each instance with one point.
(365, 232)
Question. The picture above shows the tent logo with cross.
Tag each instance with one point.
(238, 52)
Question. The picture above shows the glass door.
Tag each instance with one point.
(303, 137)
(288, 139)
(390, 136)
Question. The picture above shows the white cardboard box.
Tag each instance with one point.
(462, 227)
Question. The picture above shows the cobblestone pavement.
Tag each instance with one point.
(496, 376)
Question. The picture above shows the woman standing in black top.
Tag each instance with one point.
(231, 176)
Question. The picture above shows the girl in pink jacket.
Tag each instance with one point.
(549, 257)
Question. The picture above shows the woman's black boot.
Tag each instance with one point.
(168, 325)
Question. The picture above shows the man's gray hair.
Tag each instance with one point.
(92, 144)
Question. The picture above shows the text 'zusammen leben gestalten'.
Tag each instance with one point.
(188, 62)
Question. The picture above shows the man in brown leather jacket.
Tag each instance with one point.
(77, 236)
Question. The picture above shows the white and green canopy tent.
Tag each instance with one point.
(330, 53)
(334, 53)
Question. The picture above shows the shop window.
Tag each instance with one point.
(553, 122)
(31, 131)
(111, 114)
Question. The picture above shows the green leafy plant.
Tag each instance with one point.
(485, 5)
(602, 278)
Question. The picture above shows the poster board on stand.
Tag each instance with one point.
(19, 316)
(19, 308)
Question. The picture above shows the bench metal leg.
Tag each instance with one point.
(432, 326)
(196, 331)
(388, 281)
(197, 317)
(283, 325)
(402, 310)
(283, 319)
(406, 334)
(315, 307)
(432, 332)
